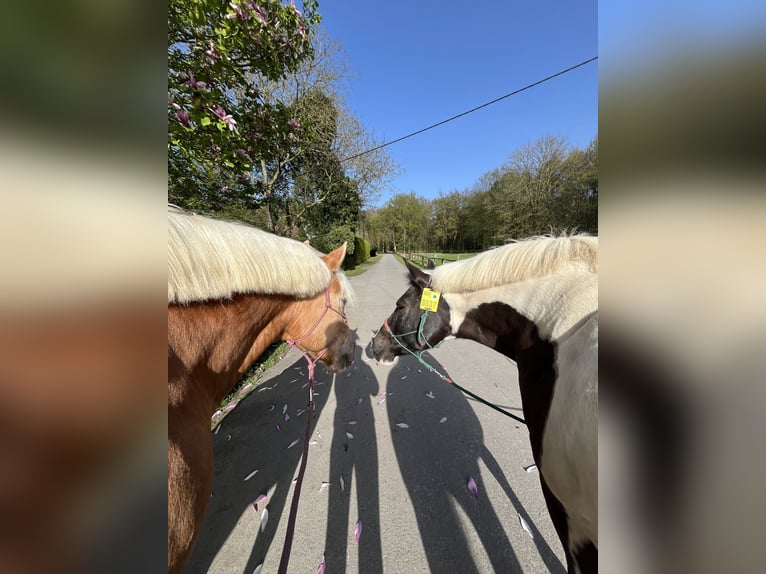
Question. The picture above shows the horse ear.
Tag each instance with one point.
(418, 276)
(334, 259)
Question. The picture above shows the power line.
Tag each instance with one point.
(508, 95)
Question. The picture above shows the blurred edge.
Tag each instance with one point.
(682, 122)
(82, 318)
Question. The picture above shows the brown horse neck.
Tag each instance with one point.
(212, 344)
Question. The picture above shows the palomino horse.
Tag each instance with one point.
(233, 290)
(536, 302)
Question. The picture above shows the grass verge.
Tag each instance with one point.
(362, 267)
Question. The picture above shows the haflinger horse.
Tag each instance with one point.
(233, 290)
(536, 302)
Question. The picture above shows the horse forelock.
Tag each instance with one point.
(527, 259)
(210, 259)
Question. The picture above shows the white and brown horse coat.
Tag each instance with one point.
(537, 303)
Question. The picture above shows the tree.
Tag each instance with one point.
(218, 120)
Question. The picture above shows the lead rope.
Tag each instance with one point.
(285, 559)
(419, 356)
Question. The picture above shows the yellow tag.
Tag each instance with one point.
(430, 300)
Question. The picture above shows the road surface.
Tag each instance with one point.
(405, 486)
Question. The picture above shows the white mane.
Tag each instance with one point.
(211, 259)
(527, 259)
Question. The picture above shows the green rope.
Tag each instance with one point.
(419, 356)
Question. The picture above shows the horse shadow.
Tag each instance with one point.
(357, 457)
(248, 445)
(438, 450)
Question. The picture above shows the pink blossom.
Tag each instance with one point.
(294, 124)
(183, 117)
(195, 84)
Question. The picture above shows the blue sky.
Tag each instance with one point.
(417, 63)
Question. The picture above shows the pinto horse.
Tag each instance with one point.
(233, 290)
(536, 302)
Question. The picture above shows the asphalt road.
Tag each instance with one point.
(406, 486)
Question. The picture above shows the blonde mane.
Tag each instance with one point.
(527, 259)
(211, 259)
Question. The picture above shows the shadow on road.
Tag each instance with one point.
(357, 457)
(247, 440)
(436, 458)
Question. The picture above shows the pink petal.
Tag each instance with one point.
(251, 475)
(261, 498)
(292, 444)
(383, 400)
(403, 425)
(287, 417)
(320, 570)
(350, 422)
(525, 526)
(443, 420)
(357, 531)
(323, 486)
(313, 442)
(349, 435)
(472, 486)
(359, 401)
(216, 413)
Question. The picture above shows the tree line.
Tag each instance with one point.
(545, 187)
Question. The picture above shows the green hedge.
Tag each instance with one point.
(360, 255)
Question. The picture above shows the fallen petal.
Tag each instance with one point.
(261, 498)
(383, 400)
(357, 531)
(402, 378)
(217, 429)
(531, 468)
(287, 417)
(342, 484)
(525, 526)
(349, 435)
(430, 395)
(293, 381)
(323, 486)
(216, 413)
(258, 569)
(247, 386)
(300, 412)
(261, 389)
(472, 486)
(292, 444)
(272, 407)
(320, 570)
(403, 425)
(279, 428)
(350, 422)
(251, 475)
(313, 442)
(443, 420)
(359, 401)
(284, 409)
(264, 519)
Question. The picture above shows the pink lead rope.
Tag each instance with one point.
(284, 560)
